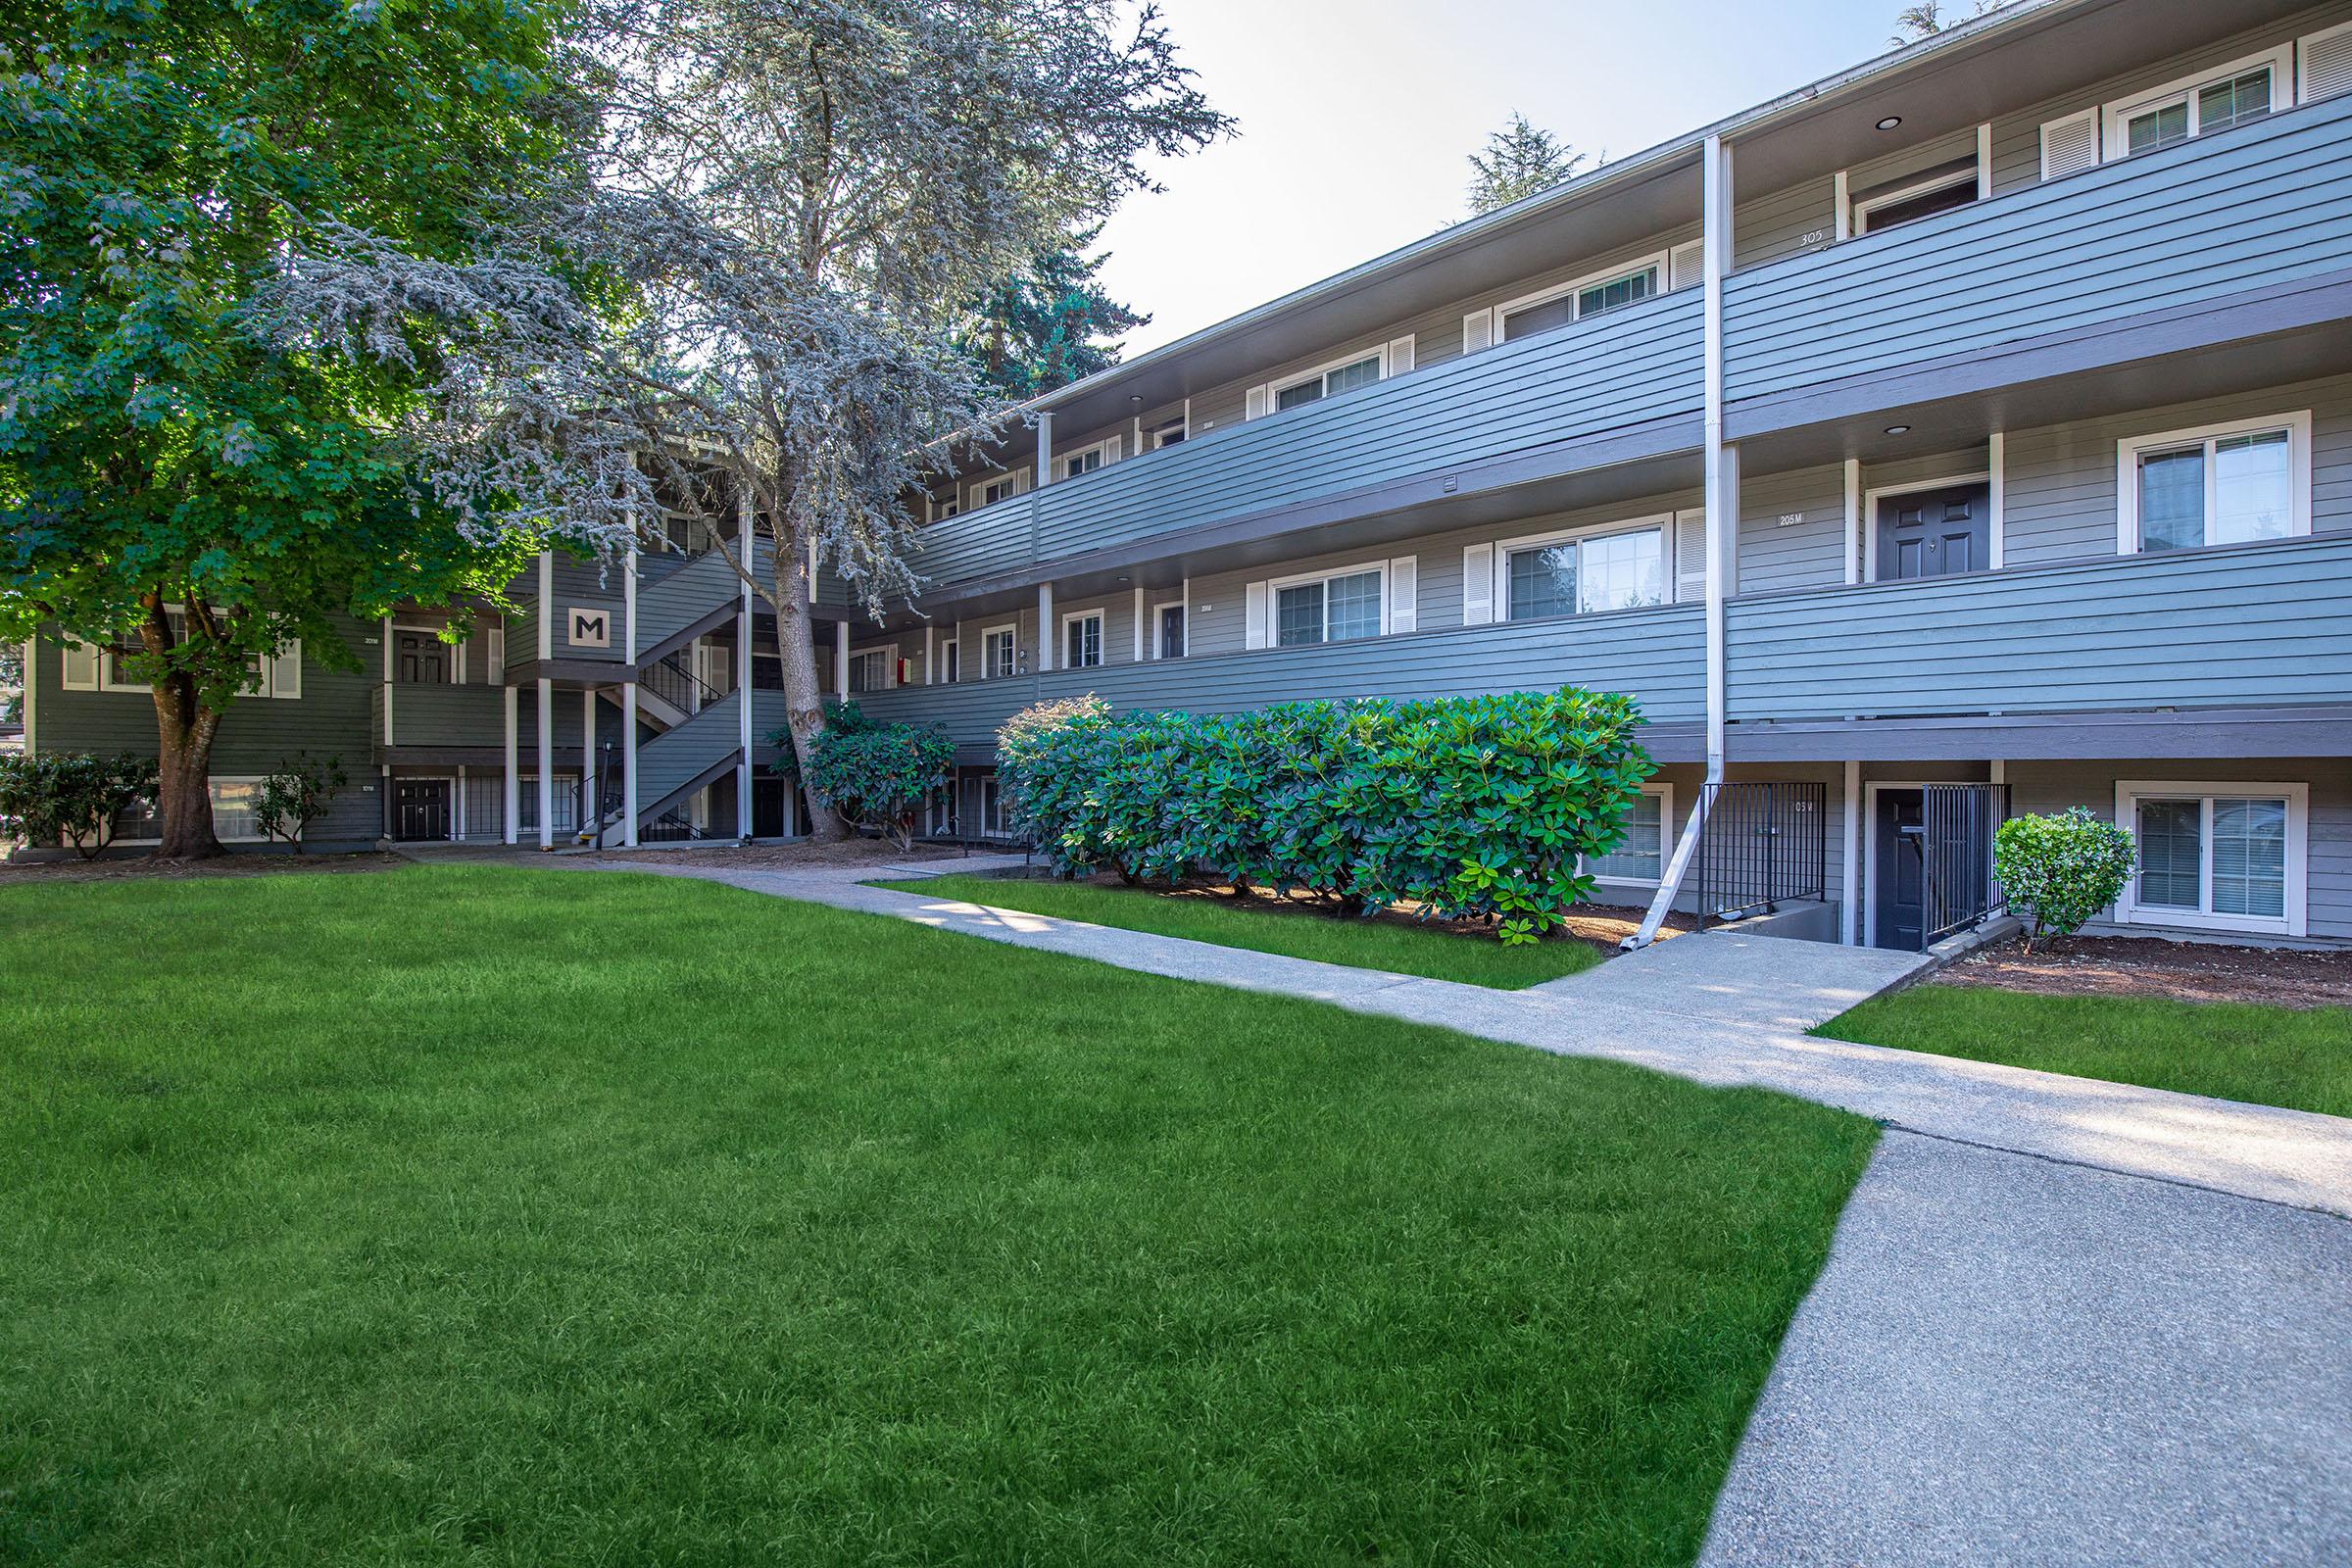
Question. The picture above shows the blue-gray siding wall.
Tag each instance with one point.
(2261, 206)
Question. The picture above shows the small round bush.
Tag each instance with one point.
(2061, 870)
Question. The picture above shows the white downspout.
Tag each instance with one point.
(1723, 530)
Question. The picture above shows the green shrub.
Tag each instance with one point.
(1473, 807)
(71, 798)
(287, 802)
(875, 776)
(2061, 870)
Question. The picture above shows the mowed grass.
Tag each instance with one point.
(2297, 1058)
(1391, 945)
(475, 1215)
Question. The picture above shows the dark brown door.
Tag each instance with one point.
(424, 659)
(421, 808)
(1934, 534)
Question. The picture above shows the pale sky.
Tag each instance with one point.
(1357, 118)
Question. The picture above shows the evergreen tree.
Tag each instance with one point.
(1049, 324)
(1519, 160)
(1926, 19)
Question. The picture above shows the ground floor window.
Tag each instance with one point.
(2220, 857)
(233, 815)
(869, 671)
(1643, 854)
(1082, 639)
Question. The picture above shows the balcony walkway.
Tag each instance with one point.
(2063, 1322)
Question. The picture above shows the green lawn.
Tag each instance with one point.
(480, 1215)
(1392, 944)
(2297, 1058)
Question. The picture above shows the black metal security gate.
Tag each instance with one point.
(1957, 885)
(1761, 845)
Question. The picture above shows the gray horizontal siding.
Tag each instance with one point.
(685, 596)
(2264, 205)
(1626, 369)
(1656, 655)
(2249, 625)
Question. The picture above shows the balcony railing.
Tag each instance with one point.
(1657, 654)
(2265, 623)
(2261, 206)
(1625, 370)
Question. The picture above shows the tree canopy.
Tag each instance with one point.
(171, 480)
(1049, 324)
(1518, 161)
(759, 267)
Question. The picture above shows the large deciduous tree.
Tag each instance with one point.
(172, 482)
(759, 269)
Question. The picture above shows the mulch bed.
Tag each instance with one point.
(131, 867)
(796, 856)
(1598, 925)
(2147, 966)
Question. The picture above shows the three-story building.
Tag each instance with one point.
(1969, 431)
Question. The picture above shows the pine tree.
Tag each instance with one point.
(1049, 324)
(1519, 160)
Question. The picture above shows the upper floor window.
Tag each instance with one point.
(945, 507)
(1937, 190)
(88, 668)
(1170, 434)
(1327, 610)
(2243, 91)
(2228, 484)
(1596, 295)
(1328, 382)
(1085, 459)
(869, 671)
(1003, 487)
(1580, 575)
(1082, 639)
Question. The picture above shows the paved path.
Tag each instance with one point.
(2063, 1322)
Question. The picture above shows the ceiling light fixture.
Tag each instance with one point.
(1891, 122)
(1899, 430)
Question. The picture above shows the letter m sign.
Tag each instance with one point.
(590, 628)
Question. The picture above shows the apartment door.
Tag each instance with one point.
(1934, 534)
(1899, 871)
(421, 808)
(1171, 632)
(421, 658)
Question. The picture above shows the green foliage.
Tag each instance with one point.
(2063, 869)
(1044, 327)
(71, 798)
(298, 793)
(1472, 808)
(161, 162)
(875, 776)
(1518, 161)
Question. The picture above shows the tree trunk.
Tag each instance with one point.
(184, 729)
(804, 697)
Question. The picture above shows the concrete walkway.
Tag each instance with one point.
(2063, 1322)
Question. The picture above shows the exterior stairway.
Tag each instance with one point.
(700, 751)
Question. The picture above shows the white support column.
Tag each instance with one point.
(33, 655)
(840, 659)
(546, 604)
(930, 653)
(742, 674)
(1853, 520)
(1997, 458)
(1845, 218)
(1849, 887)
(1045, 450)
(456, 810)
(628, 764)
(628, 606)
(1046, 629)
(389, 811)
(1721, 459)
(1140, 635)
(388, 637)
(1984, 161)
(547, 764)
(514, 786)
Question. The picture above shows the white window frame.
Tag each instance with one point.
(2128, 793)
(1182, 426)
(2116, 116)
(942, 508)
(1108, 447)
(1662, 524)
(1660, 261)
(976, 493)
(1275, 389)
(1011, 632)
(457, 670)
(1102, 639)
(1275, 586)
(266, 671)
(2129, 449)
(1973, 178)
(890, 665)
(1666, 831)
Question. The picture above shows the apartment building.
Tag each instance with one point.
(1967, 432)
